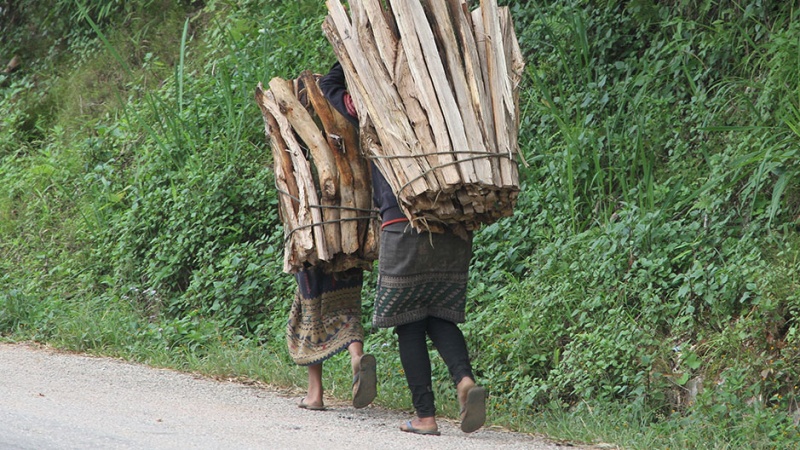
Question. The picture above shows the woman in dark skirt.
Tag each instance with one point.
(422, 287)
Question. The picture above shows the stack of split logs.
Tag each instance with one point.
(436, 87)
(323, 182)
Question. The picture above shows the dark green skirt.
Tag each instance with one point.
(421, 275)
(326, 315)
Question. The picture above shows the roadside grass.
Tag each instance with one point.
(644, 293)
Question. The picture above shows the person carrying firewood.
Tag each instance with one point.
(325, 319)
(421, 292)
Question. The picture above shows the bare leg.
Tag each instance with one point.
(356, 350)
(315, 391)
(462, 388)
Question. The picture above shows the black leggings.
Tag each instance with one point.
(449, 342)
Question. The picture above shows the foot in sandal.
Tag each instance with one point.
(421, 426)
(472, 399)
(365, 382)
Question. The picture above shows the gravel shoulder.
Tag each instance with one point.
(56, 400)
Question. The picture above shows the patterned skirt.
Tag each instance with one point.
(421, 275)
(326, 315)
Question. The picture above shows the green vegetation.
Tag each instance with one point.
(646, 291)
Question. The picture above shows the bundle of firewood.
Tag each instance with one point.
(436, 87)
(323, 182)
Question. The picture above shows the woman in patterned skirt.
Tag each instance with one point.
(325, 319)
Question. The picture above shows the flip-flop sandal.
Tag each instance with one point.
(408, 428)
(365, 382)
(473, 412)
(310, 407)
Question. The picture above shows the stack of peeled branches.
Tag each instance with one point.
(323, 181)
(437, 90)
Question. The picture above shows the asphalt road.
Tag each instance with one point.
(55, 400)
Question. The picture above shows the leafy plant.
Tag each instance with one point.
(644, 292)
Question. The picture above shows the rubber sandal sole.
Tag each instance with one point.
(474, 412)
(365, 382)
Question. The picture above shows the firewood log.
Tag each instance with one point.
(323, 181)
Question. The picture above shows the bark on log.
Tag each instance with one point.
(303, 125)
(346, 198)
(323, 182)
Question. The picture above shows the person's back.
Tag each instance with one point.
(422, 285)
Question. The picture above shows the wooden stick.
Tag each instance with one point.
(382, 30)
(516, 69)
(346, 137)
(498, 86)
(374, 93)
(474, 75)
(418, 118)
(305, 127)
(307, 216)
(487, 112)
(323, 160)
(406, 18)
(468, 120)
(294, 244)
(348, 226)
